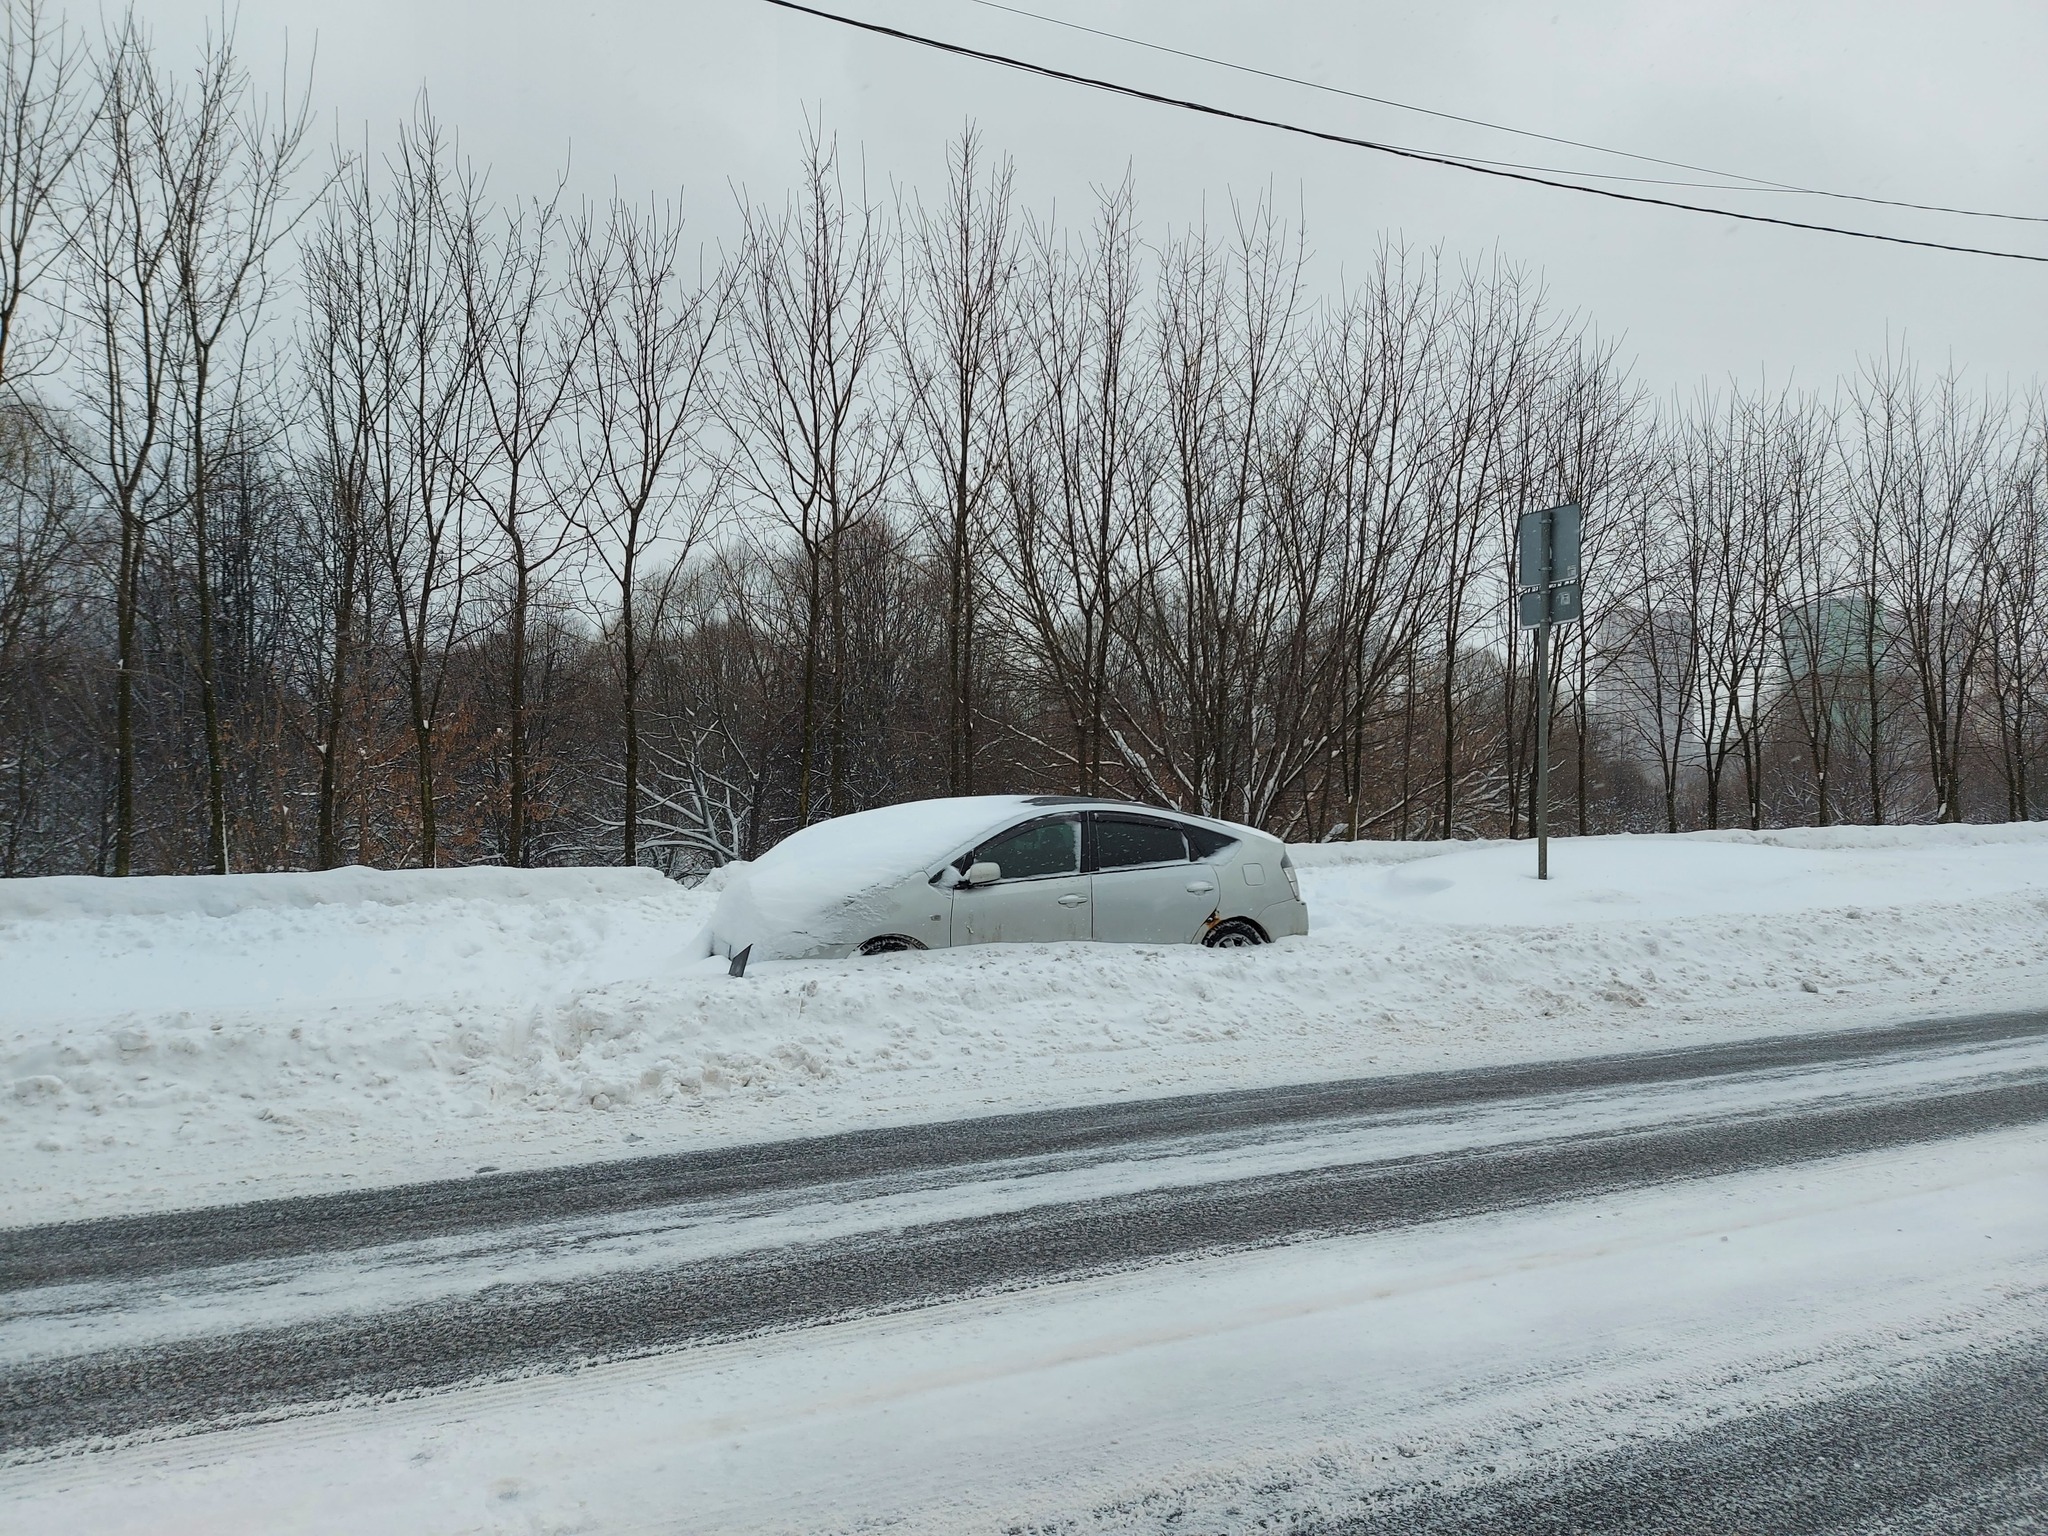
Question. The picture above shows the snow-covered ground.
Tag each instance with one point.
(188, 1040)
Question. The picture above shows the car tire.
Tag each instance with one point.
(1235, 933)
(889, 944)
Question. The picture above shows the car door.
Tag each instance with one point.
(1042, 895)
(1146, 889)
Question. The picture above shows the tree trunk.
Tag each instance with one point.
(1450, 754)
(209, 692)
(423, 751)
(836, 744)
(959, 645)
(807, 728)
(1579, 747)
(128, 598)
(329, 854)
(515, 845)
(1876, 739)
(630, 700)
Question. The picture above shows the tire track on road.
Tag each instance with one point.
(132, 1246)
(511, 1328)
(1959, 1448)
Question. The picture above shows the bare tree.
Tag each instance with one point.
(1933, 551)
(816, 441)
(1656, 640)
(46, 122)
(1873, 466)
(1377, 392)
(1592, 449)
(529, 346)
(2016, 645)
(1817, 624)
(1223, 681)
(651, 487)
(225, 167)
(123, 281)
(349, 381)
(38, 530)
(955, 336)
(1078, 471)
(1733, 506)
(424, 452)
(1502, 335)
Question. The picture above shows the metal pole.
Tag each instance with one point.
(1543, 749)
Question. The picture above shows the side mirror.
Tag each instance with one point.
(983, 873)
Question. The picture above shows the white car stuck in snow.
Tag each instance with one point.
(1007, 869)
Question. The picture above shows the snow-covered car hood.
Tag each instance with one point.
(832, 882)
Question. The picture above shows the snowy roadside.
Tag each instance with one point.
(186, 1041)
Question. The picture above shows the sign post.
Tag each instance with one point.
(1547, 592)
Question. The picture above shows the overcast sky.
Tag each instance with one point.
(1931, 103)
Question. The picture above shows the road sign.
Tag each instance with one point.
(1547, 566)
(1547, 592)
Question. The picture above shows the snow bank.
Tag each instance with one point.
(76, 948)
(82, 896)
(1666, 879)
(177, 1041)
(1350, 855)
(1970, 835)
(1959, 835)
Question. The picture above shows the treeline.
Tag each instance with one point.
(357, 512)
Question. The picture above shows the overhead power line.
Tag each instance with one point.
(1453, 162)
(1755, 183)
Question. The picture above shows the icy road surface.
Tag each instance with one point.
(1789, 1284)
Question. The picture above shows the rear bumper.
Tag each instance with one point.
(1285, 919)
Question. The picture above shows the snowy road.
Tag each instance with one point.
(706, 1279)
(1959, 1448)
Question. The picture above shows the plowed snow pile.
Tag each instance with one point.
(189, 1040)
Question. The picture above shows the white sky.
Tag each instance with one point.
(1935, 103)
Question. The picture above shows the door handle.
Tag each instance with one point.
(1197, 888)
(1073, 901)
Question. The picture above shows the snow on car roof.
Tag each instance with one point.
(879, 846)
(818, 867)
(891, 839)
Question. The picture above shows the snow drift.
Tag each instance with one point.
(193, 1039)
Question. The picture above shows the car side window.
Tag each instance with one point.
(1043, 848)
(1206, 842)
(1124, 842)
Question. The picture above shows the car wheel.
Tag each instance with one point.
(1237, 933)
(888, 944)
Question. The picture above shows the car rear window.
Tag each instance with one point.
(1203, 842)
(1124, 841)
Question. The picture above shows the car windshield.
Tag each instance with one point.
(1043, 848)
